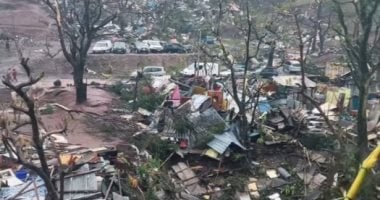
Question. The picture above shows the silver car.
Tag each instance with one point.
(151, 71)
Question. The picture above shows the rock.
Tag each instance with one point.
(57, 83)
(283, 172)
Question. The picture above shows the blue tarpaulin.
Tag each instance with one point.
(264, 106)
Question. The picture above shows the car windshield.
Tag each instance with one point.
(154, 43)
(119, 45)
(140, 44)
(268, 70)
(296, 65)
(237, 67)
(152, 69)
(101, 44)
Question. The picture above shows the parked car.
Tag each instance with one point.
(208, 40)
(119, 47)
(268, 72)
(188, 48)
(238, 71)
(140, 47)
(103, 46)
(174, 48)
(292, 66)
(151, 71)
(154, 46)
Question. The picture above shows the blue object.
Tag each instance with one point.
(22, 174)
(264, 107)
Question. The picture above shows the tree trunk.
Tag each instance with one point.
(362, 122)
(135, 90)
(81, 88)
(271, 54)
(321, 44)
(244, 129)
(314, 43)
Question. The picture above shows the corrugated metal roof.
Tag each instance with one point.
(221, 142)
(86, 182)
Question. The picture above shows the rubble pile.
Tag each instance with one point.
(276, 157)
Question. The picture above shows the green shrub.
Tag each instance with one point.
(48, 110)
(161, 149)
(318, 141)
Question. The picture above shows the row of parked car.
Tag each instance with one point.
(145, 46)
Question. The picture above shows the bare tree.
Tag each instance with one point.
(252, 38)
(77, 24)
(362, 51)
(321, 22)
(10, 136)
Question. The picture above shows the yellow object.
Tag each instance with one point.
(225, 105)
(212, 154)
(252, 187)
(133, 182)
(332, 96)
(199, 90)
(68, 159)
(367, 165)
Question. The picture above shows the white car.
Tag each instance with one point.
(154, 46)
(151, 71)
(292, 66)
(103, 46)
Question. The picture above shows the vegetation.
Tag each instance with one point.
(161, 149)
(149, 101)
(361, 49)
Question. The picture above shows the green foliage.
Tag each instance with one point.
(146, 170)
(161, 149)
(237, 157)
(318, 141)
(174, 70)
(236, 183)
(150, 194)
(48, 110)
(117, 88)
(294, 189)
(149, 101)
(182, 125)
(217, 129)
(347, 164)
(202, 141)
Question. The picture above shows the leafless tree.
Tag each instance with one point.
(321, 20)
(27, 106)
(253, 37)
(303, 60)
(77, 23)
(362, 52)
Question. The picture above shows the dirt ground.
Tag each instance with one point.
(80, 132)
(27, 20)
